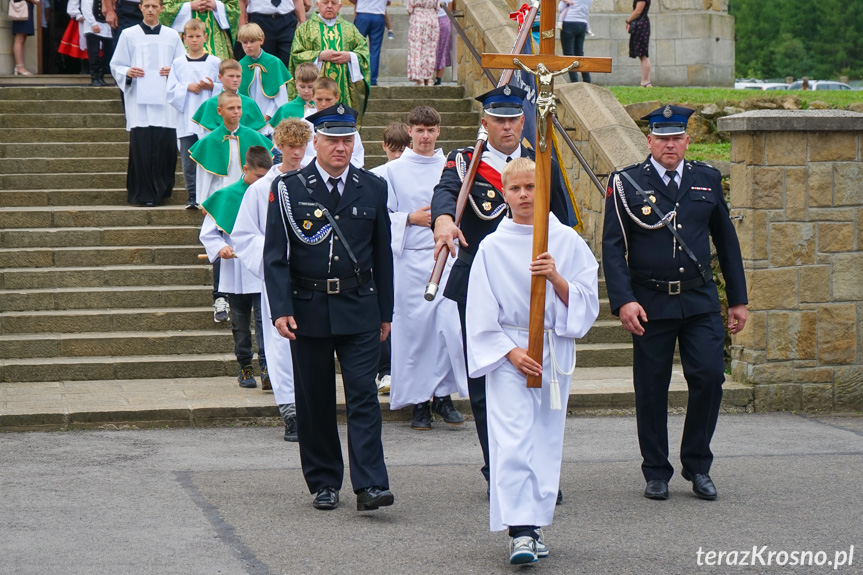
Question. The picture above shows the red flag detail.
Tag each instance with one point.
(490, 175)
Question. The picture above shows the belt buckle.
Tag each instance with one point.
(674, 288)
(334, 287)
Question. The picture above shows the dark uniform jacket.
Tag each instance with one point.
(701, 214)
(317, 253)
(484, 210)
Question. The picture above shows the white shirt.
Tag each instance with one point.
(372, 7)
(663, 173)
(326, 178)
(497, 159)
(266, 8)
(577, 12)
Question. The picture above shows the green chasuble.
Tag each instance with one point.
(208, 116)
(219, 42)
(224, 204)
(213, 151)
(273, 74)
(293, 109)
(313, 36)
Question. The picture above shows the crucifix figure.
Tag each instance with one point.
(544, 66)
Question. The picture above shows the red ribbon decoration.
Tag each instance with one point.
(520, 14)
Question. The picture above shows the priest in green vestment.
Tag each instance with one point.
(338, 49)
(220, 17)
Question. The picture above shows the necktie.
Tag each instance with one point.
(334, 190)
(672, 184)
(508, 159)
(276, 2)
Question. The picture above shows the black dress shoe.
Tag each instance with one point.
(291, 429)
(656, 489)
(371, 498)
(326, 498)
(422, 417)
(702, 485)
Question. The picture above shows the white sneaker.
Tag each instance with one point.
(384, 385)
(522, 550)
(220, 310)
(541, 547)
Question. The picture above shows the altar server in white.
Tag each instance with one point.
(290, 137)
(427, 356)
(525, 426)
(190, 84)
(140, 66)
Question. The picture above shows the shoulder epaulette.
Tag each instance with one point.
(630, 167)
(703, 164)
(371, 173)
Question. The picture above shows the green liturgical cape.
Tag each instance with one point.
(219, 42)
(208, 116)
(313, 36)
(224, 204)
(293, 109)
(213, 151)
(274, 75)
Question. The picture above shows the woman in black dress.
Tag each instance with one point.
(20, 31)
(638, 26)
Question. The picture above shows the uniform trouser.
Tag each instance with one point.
(373, 26)
(476, 390)
(99, 52)
(189, 166)
(385, 363)
(317, 428)
(242, 307)
(701, 340)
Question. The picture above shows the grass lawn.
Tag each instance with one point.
(709, 152)
(633, 94)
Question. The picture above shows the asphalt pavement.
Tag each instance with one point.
(231, 500)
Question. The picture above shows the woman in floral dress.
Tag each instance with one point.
(422, 40)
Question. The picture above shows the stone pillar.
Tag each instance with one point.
(797, 189)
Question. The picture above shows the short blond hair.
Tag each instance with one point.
(326, 83)
(229, 64)
(293, 133)
(250, 32)
(517, 166)
(194, 24)
(306, 72)
(223, 98)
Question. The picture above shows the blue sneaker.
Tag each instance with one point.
(522, 550)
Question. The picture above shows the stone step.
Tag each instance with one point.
(99, 256)
(42, 106)
(97, 216)
(52, 322)
(75, 165)
(32, 121)
(383, 119)
(113, 297)
(95, 236)
(31, 93)
(72, 136)
(441, 105)
(605, 331)
(88, 197)
(104, 276)
(465, 133)
(604, 354)
(65, 149)
(116, 344)
(67, 180)
(416, 93)
(129, 367)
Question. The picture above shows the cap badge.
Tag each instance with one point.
(341, 110)
(667, 112)
(506, 90)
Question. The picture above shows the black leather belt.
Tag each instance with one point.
(333, 285)
(464, 256)
(671, 288)
(276, 15)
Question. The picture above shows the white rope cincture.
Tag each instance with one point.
(554, 391)
(618, 185)
(314, 240)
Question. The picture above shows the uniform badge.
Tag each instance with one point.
(506, 90)
(667, 112)
(652, 198)
(490, 194)
(486, 206)
(318, 213)
(609, 192)
(307, 225)
(272, 197)
(340, 109)
(450, 164)
(645, 210)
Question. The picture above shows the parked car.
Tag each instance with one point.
(820, 85)
(760, 86)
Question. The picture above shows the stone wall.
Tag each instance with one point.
(796, 187)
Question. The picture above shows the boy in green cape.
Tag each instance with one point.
(207, 117)
(303, 105)
(264, 75)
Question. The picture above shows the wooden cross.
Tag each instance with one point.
(545, 66)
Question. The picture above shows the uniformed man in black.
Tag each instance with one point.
(503, 119)
(660, 216)
(331, 291)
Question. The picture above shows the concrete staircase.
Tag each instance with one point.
(92, 289)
